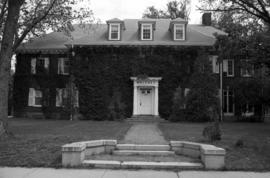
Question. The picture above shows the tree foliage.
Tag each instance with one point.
(23, 19)
(258, 9)
(174, 10)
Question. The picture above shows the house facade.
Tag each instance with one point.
(132, 65)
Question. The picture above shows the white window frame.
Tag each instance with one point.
(226, 67)
(32, 97)
(34, 64)
(61, 93)
(143, 26)
(110, 31)
(175, 28)
(215, 64)
(61, 66)
(228, 103)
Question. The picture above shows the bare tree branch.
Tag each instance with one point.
(32, 25)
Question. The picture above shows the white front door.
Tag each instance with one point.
(145, 101)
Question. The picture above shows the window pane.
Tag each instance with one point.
(146, 34)
(230, 103)
(114, 31)
(146, 29)
(66, 66)
(179, 32)
(230, 67)
(38, 101)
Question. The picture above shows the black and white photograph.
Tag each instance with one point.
(134, 88)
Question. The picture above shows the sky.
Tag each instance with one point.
(133, 9)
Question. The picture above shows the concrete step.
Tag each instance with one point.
(143, 147)
(145, 119)
(142, 152)
(141, 165)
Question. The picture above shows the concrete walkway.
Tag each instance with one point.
(6, 172)
(144, 133)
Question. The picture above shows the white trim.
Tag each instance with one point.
(61, 66)
(110, 31)
(215, 64)
(150, 82)
(33, 65)
(151, 31)
(226, 67)
(32, 97)
(179, 26)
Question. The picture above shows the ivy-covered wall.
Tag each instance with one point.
(23, 80)
(99, 71)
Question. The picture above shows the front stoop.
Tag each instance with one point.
(204, 156)
(141, 165)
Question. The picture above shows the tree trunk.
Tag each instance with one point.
(5, 60)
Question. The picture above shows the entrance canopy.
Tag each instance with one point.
(145, 95)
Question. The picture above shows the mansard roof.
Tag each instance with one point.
(96, 35)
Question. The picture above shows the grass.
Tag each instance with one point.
(37, 143)
(253, 155)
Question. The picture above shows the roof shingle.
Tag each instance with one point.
(197, 35)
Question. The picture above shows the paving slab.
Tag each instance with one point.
(222, 174)
(17, 172)
(144, 133)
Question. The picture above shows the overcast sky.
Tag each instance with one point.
(133, 9)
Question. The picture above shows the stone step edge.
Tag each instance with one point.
(140, 152)
(141, 147)
(141, 164)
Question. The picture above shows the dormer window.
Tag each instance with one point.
(115, 28)
(179, 32)
(146, 32)
(114, 33)
(178, 29)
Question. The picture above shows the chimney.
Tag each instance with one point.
(206, 19)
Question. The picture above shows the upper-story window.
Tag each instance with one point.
(39, 65)
(179, 32)
(63, 66)
(228, 67)
(146, 32)
(114, 32)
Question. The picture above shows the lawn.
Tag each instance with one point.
(253, 155)
(37, 143)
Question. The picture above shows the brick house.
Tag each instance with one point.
(118, 53)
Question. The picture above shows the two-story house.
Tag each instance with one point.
(145, 60)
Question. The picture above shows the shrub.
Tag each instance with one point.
(212, 132)
(239, 143)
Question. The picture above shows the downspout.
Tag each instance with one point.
(71, 82)
(221, 87)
